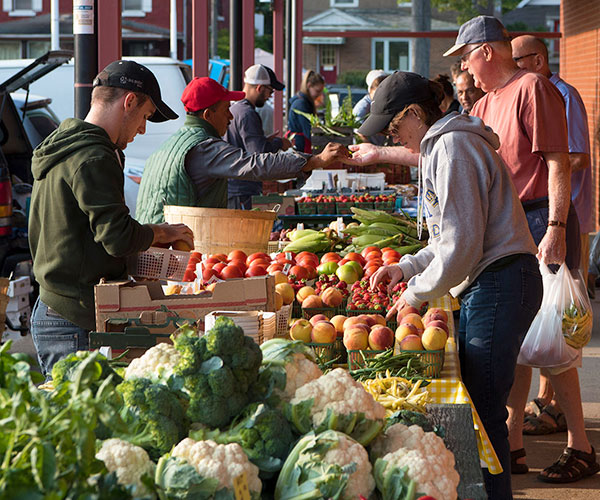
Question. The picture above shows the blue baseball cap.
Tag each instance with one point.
(480, 29)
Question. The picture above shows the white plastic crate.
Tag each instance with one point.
(19, 286)
(159, 263)
(283, 320)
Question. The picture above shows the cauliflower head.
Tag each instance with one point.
(361, 481)
(129, 462)
(299, 371)
(433, 474)
(222, 462)
(413, 438)
(157, 360)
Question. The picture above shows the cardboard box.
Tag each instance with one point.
(19, 286)
(269, 201)
(17, 302)
(129, 304)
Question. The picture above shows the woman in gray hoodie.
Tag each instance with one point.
(480, 248)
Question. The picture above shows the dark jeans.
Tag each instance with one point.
(55, 337)
(242, 202)
(496, 311)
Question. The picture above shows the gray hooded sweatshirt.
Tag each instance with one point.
(473, 213)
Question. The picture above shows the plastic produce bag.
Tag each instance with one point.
(562, 325)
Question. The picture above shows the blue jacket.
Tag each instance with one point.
(298, 124)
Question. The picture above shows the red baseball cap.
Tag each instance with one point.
(203, 92)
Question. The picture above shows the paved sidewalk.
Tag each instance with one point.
(542, 451)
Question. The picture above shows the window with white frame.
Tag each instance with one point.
(136, 8)
(37, 48)
(391, 54)
(22, 8)
(328, 57)
(343, 3)
(10, 50)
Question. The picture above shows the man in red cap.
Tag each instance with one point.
(192, 167)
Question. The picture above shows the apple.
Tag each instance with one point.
(312, 301)
(323, 332)
(357, 267)
(354, 320)
(356, 339)
(301, 329)
(381, 338)
(439, 324)
(331, 297)
(329, 267)
(411, 343)
(414, 319)
(338, 322)
(347, 274)
(405, 330)
(318, 317)
(304, 292)
(379, 319)
(287, 292)
(434, 338)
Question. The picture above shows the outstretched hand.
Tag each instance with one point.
(363, 154)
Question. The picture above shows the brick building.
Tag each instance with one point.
(580, 66)
(333, 56)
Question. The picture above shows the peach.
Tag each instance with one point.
(323, 332)
(278, 301)
(354, 320)
(338, 322)
(414, 319)
(439, 324)
(369, 320)
(287, 292)
(318, 317)
(405, 330)
(279, 277)
(301, 329)
(331, 297)
(379, 319)
(304, 292)
(435, 313)
(356, 339)
(434, 338)
(381, 338)
(411, 343)
(312, 301)
(408, 310)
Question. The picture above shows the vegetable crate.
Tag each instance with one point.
(327, 208)
(343, 207)
(307, 208)
(324, 352)
(434, 360)
(386, 206)
(330, 312)
(283, 321)
(340, 350)
(356, 358)
(159, 263)
(365, 205)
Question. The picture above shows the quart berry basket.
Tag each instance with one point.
(159, 263)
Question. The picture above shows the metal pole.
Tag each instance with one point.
(289, 79)
(278, 56)
(173, 26)
(293, 33)
(185, 29)
(54, 26)
(86, 53)
(421, 21)
(235, 44)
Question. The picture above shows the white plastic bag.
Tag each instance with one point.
(545, 345)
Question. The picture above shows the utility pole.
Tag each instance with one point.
(86, 53)
(235, 45)
(421, 21)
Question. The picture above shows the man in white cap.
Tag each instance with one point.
(246, 130)
(363, 107)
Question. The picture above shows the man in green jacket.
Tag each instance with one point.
(80, 229)
(192, 167)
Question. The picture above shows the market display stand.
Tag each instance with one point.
(290, 221)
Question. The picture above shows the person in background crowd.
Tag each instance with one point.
(455, 70)
(362, 110)
(193, 166)
(528, 113)
(466, 91)
(449, 104)
(531, 54)
(311, 90)
(80, 229)
(246, 131)
(479, 247)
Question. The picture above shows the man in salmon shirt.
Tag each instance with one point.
(528, 114)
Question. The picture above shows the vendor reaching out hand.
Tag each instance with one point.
(193, 166)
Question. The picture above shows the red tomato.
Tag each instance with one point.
(286, 256)
(255, 271)
(330, 256)
(237, 255)
(356, 257)
(219, 267)
(274, 267)
(240, 263)
(220, 256)
(257, 255)
(209, 273)
(366, 251)
(302, 255)
(311, 270)
(391, 254)
(189, 275)
(230, 272)
(212, 260)
(260, 262)
(196, 255)
(299, 272)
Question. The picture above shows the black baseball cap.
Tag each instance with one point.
(478, 30)
(260, 74)
(396, 92)
(132, 76)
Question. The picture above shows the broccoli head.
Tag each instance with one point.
(218, 371)
(95, 373)
(156, 414)
(263, 432)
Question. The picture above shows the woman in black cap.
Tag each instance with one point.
(479, 249)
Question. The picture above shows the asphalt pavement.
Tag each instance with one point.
(542, 451)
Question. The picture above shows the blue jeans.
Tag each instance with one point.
(496, 312)
(55, 337)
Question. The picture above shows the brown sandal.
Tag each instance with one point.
(571, 466)
(534, 408)
(539, 426)
(517, 468)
